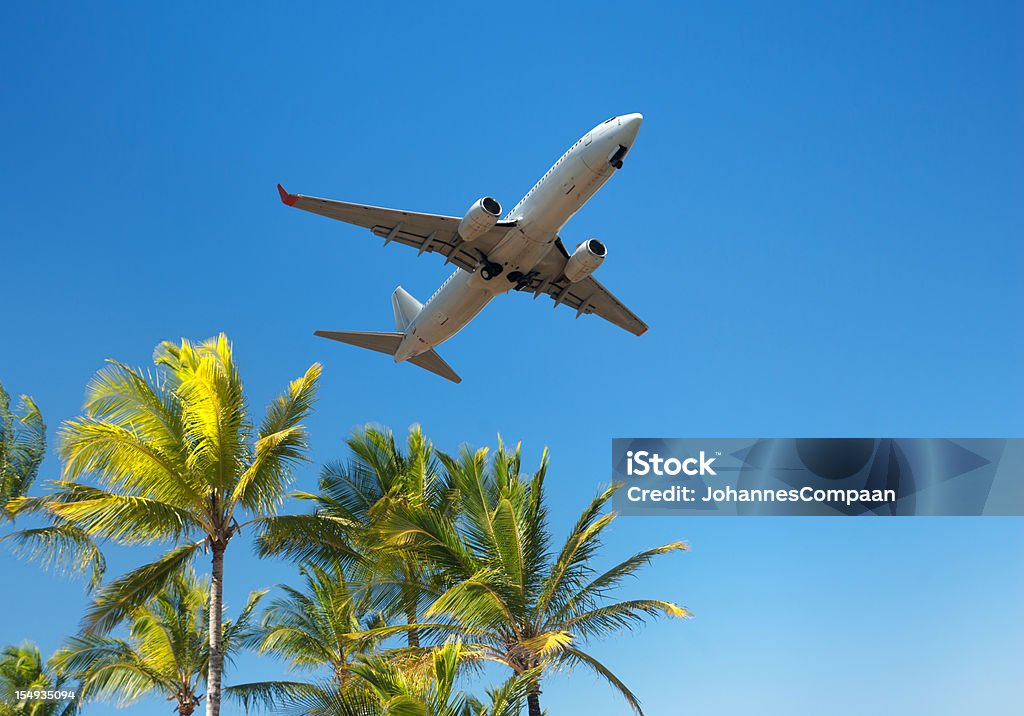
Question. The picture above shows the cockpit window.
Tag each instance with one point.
(608, 120)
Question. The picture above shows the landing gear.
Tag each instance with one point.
(617, 156)
(520, 279)
(490, 270)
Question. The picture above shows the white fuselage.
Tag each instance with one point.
(538, 217)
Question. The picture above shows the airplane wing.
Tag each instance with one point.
(586, 296)
(425, 232)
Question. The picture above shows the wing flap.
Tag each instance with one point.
(427, 233)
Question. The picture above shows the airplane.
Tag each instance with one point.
(493, 255)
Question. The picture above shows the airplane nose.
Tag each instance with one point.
(629, 126)
(607, 144)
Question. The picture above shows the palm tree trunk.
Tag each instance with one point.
(411, 618)
(216, 633)
(411, 601)
(533, 702)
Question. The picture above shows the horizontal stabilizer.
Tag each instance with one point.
(435, 364)
(380, 342)
(389, 343)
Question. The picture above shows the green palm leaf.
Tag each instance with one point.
(22, 448)
(572, 657)
(116, 600)
(62, 546)
(280, 446)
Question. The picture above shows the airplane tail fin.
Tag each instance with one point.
(388, 343)
(406, 308)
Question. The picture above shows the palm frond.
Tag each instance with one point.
(571, 657)
(584, 597)
(547, 643)
(274, 696)
(241, 630)
(477, 495)
(22, 448)
(507, 698)
(108, 667)
(316, 538)
(63, 547)
(476, 603)
(508, 544)
(432, 630)
(214, 417)
(126, 396)
(127, 519)
(630, 614)
(280, 446)
(573, 562)
(123, 459)
(348, 490)
(433, 535)
(333, 700)
(125, 594)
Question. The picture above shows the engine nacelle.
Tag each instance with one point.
(585, 260)
(480, 218)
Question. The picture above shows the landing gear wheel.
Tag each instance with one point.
(490, 270)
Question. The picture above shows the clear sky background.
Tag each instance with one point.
(821, 220)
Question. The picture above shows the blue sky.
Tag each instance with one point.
(821, 221)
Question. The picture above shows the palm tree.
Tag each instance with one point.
(22, 448)
(512, 600)
(22, 669)
(352, 499)
(313, 628)
(167, 651)
(178, 460)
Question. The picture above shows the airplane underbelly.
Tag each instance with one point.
(523, 253)
(448, 313)
(559, 200)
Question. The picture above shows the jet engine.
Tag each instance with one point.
(585, 260)
(480, 218)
